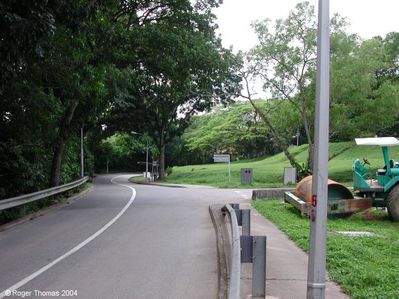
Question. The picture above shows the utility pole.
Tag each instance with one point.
(146, 154)
(297, 137)
(82, 170)
(146, 162)
(316, 285)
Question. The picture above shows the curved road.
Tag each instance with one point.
(118, 241)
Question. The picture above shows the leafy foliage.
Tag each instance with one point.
(236, 129)
(185, 73)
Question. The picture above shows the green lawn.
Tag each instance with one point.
(365, 267)
(268, 172)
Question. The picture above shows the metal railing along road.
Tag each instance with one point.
(26, 198)
(234, 279)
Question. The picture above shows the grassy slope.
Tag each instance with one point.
(364, 267)
(268, 172)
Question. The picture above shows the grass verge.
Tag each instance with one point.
(137, 179)
(366, 267)
(268, 172)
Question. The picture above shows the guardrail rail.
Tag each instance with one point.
(27, 198)
(234, 279)
(245, 249)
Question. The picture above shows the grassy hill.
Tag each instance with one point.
(268, 172)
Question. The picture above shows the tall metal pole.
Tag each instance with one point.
(317, 254)
(82, 171)
(297, 137)
(146, 163)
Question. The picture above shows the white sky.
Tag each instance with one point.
(368, 18)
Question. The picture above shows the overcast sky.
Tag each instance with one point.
(367, 17)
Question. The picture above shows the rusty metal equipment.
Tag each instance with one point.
(341, 201)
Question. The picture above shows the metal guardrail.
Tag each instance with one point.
(246, 249)
(26, 198)
(234, 279)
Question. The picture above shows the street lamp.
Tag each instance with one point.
(297, 137)
(146, 154)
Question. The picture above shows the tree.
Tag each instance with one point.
(185, 73)
(285, 60)
(236, 129)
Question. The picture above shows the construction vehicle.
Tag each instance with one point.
(340, 201)
(384, 189)
(381, 190)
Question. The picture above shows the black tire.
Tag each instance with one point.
(393, 203)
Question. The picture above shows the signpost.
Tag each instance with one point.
(217, 158)
(316, 286)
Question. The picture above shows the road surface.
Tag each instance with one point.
(118, 241)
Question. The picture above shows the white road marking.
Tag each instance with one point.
(77, 247)
(241, 194)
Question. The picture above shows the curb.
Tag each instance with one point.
(171, 185)
(218, 222)
(158, 184)
(262, 194)
(46, 210)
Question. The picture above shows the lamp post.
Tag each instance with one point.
(146, 154)
(297, 137)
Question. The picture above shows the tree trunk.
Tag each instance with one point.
(309, 139)
(162, 161)
(59, 144)
(162, 155)
(56, 163)
(280, 142)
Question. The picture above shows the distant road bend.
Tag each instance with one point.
(118, 241)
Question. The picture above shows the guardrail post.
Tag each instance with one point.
(246, 222)
(259, 266)
(252, 250)
(243, 218)
(246, 249)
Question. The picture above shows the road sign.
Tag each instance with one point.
(219, 158)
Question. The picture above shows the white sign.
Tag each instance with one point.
(217, 158)
(221, 158)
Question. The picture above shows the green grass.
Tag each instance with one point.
(137, 179)
(365, 267)
(268, 172)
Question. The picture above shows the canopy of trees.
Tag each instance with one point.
(112, 67)
(364, 89)
(107, 66)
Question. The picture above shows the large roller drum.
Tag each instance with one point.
(335, 190)
(340, 199)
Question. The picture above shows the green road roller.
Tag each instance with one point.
(383, 188)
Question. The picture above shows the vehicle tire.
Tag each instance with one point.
(393, 203)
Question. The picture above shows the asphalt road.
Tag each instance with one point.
(118, 241)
